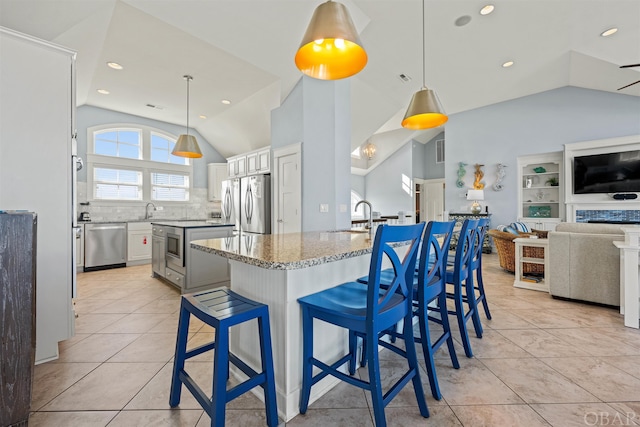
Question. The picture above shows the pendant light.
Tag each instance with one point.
(331, 48)
(369, 150)
(424, 110)
(187, 145)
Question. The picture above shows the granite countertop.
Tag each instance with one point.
(184, 223)
(193, 223)
(289, 251)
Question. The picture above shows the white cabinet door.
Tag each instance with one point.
(264, 161)
(252, 164)
(216, 173)
(139, 242)
(237, 166)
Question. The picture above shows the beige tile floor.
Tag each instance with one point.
(540, 362)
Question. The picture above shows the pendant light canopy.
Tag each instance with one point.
(187, 145)
(424, 111)
(331, 48)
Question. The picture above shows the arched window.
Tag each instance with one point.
(134, 163)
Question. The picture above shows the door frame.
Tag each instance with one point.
(423, 199)
(295, 149)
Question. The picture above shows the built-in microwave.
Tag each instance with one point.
(175, 246)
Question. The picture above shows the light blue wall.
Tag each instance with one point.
(318, 114)
(88, 116)
(418, 159)
(534, 124)
(433, 170)
(358, 185)
(286, 120)
(385, 187)
(424, 159)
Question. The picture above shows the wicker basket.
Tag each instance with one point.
(507, 251)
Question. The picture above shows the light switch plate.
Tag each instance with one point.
(343, 208)
(324, 208)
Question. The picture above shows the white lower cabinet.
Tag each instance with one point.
(541, 224)
(139, 243)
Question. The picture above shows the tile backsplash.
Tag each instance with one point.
(615, 215)
(198, 208)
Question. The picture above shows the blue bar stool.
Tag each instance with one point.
(368, 311)
(222, 308)
(461, 277)
(476, 266)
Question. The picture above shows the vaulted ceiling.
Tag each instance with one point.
(243, 51)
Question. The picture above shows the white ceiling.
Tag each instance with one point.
(243, 51)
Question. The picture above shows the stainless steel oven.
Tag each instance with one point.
(175, 247)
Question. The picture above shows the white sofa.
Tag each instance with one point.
(583, 262)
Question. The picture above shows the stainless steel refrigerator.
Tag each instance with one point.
(231, 202)
(255, 204)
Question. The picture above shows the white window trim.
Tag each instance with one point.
(145, 166)
(359, 214)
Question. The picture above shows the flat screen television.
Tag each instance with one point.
(607, 173)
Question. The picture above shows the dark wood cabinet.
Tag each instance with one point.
(17, 315)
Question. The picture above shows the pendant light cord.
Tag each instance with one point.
(424, 61)
(188, 78)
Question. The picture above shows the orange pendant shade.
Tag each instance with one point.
(331, 48)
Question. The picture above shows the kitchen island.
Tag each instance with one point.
(277, 270)
(176, 261)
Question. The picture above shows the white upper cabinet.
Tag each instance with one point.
(259, 161)
(237, 166)
(252, 163)
(216, 173)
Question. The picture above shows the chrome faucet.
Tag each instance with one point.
(370, 223)
(148, 215)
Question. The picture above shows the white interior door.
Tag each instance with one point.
(287, 190)
(432, 201)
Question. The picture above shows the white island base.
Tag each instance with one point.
(280, 289)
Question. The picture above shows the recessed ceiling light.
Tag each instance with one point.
(507, 64)
(103, 91)
(202, 116)
(226, 102)
(609, 32)
(487, 9)
(114, 65)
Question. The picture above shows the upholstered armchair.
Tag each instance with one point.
(506, 248)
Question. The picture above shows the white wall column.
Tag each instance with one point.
(318, 114)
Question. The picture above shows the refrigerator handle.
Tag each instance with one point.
(247, 198)
(227, 202)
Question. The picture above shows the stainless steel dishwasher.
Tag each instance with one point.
(105, 246)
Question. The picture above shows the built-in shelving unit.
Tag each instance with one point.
(540, 196)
